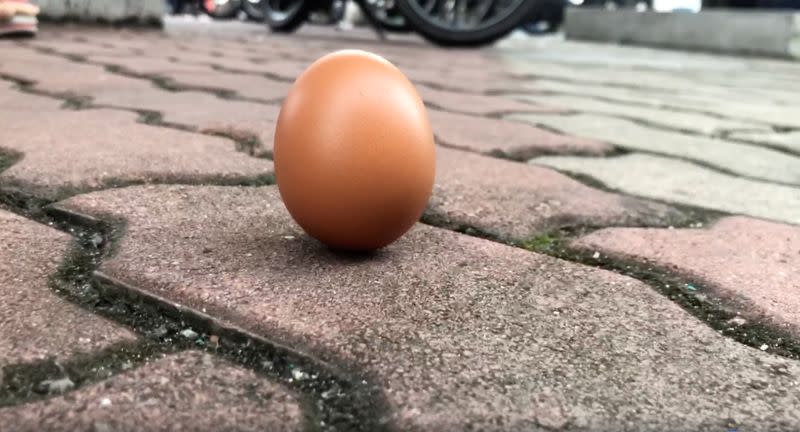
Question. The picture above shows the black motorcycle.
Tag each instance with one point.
(444, 22)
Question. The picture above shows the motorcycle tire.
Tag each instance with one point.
(436, 31)
(391, 20)
(254, 9)
(221, 10)
(286, 20)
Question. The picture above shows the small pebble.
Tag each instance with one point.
(105, 402)
(189, 334)
(764, 347)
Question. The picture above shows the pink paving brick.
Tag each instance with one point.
(30, 255)
(741, 259)
(517, 201)
(190, 391)
(460, 332)
(508, 139)
(110, 147)
(467, 103)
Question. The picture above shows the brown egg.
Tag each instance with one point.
(354, 151)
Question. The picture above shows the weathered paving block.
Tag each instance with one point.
(686, 183)
(73, 78)
(788, 140)
(141, 65)
(740, 258)
(478, 104)
(206, 113)
(245, 85)
(185, 391)
(744, 159)
(686, 121)
(461, 333)
(30, 254)
(110, 147)
(14, 99)
(730, 103)
(518, 201)
(507, 138)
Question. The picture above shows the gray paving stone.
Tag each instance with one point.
(510, 139)
(685, 121)
(517, 201)
(185, 391)
(753, 264)
(732, 105)
(14, 99)
(466, 103)
(686, 183)
(460, 332)
(110, 147)
(744, 159)
(30, 254)
(788, 140)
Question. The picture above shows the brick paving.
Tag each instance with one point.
(188, 298)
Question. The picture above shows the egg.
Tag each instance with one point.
(354, 151)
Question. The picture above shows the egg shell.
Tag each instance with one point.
(354, 151)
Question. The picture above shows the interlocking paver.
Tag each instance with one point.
(30, 254)
(149, 66)
(478, 104)
(518, 201)
(185, 391)
(744, 159)
(754, 109)
(460, 332)
(686, 121)
(739, 258)
(202, 111)
(72, 78)
(687, 183)
(246, 85)
(510, 139)
(110, 147)
(788, 140)
(12, 99)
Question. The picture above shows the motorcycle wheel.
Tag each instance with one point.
(254, 9)
(221, 9)
(386, 15)
(286, 16)
(465, 22)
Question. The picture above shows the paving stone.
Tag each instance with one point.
(14, 99)
(686, 183)
(72, 78)
(685, 121)
(788, 140)
(478, 104)
(30, 254)
(185, 391)
(744, 159)
(202, 111)
(110, 147)
(518, 201)
(149, 66)
(449, 324)
(739, 258)
(730, 104)
(510, 139)
(246, 85)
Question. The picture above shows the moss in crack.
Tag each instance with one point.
(27, 382)
(8, 157)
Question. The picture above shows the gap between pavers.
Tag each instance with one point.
(188, 391)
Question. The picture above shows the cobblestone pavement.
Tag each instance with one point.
(612, 243)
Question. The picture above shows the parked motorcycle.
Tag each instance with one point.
(444, 22)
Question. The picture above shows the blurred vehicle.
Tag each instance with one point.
(444, 22)
(220, 9)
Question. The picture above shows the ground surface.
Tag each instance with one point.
(612, 243)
